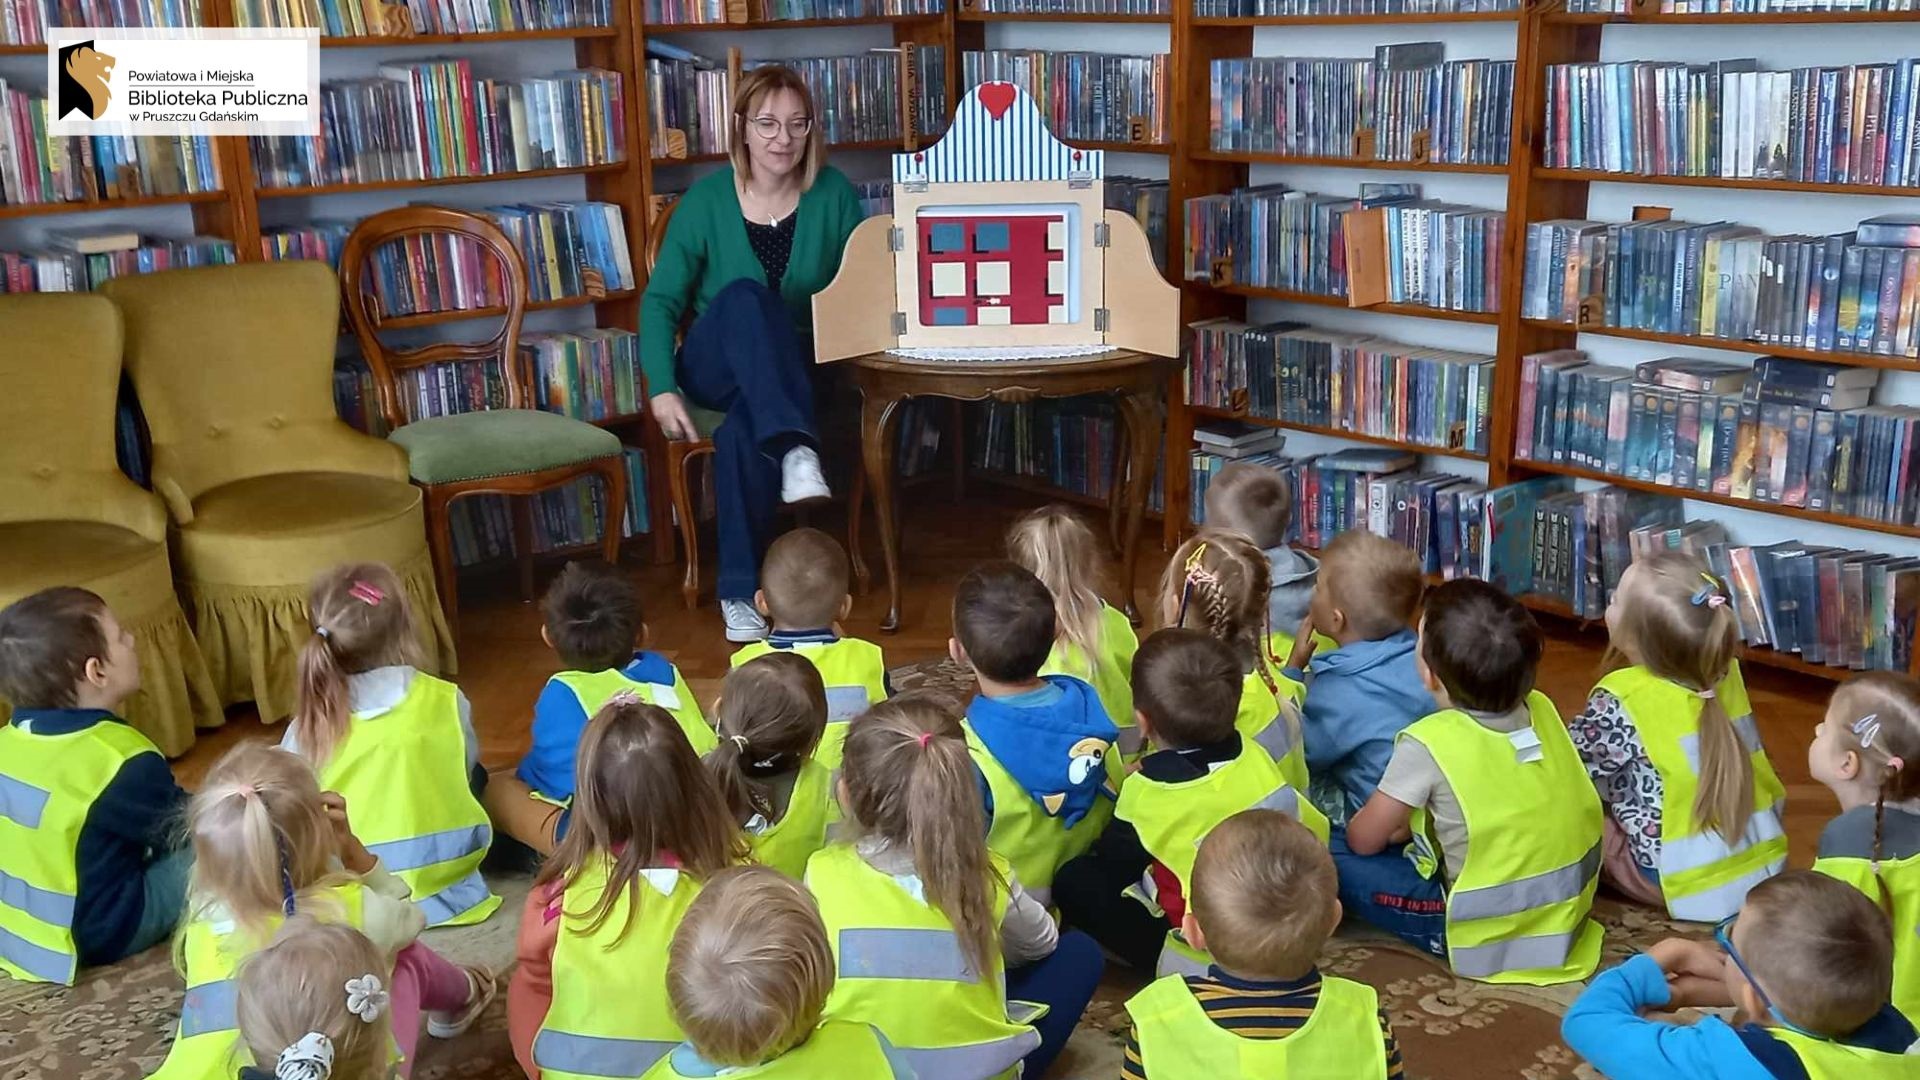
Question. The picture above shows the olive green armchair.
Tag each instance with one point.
(267, 486)
(68, 516)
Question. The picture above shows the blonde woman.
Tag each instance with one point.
(746, 249)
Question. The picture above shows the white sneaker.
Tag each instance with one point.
(744, 624)
(800, 477)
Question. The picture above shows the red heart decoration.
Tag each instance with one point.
(997, 97)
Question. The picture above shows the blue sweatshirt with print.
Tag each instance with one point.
(1359, 697)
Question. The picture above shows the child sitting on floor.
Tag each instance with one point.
(1809, 963)
(269, 845)
(1043, 745)
(1693, 804)
(315, 1005)
(803, 593)
(748, 976)
(1264, 903)
(1129, 891)
(1093, 642)
(94, 819)
(772, 712)
(593, 623)
(1364, 692)
(1867, 752)
(1505, 829)
(397, 743)
(1256, 501)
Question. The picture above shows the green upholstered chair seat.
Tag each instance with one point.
(499, 442)
(705, 421)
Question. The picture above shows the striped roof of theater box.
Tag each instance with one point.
(998, 135)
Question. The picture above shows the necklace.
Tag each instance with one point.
(765, 204)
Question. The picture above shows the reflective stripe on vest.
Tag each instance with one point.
(1179, 958)
(1717, 901)
(846, 702)
(598, 1055)
(52, 908)
(46, 965)
(21, 802)
(896, 953)
(1341, 1039)
(418, 851)
(1514, 897)
(974, 1059)
(1173, 817)
(455, 900)
(836, 1048)
(1513, 954)
(207, 1008)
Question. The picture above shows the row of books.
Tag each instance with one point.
(1071, 7)
(1836, 125)
(1146, 200)
(1788, 433)
(564, 518)
(1408, 103)
(364, 18)
(1439, 254)
(1072, 444)
(1305, 375)
(1212, 9)
(856, 98)
(433, 119)
(706, 12)
(1857, 291)
(50, 270)
(1090, 97)
(1742, 7)
(25, 22)
(37, 168)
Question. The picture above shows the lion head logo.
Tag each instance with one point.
(84, 71)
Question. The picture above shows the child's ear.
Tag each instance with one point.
(846, 607)
(1750, 1004)
(1850, 765)
(643, 637)
(544, 639)
(1339, 620)
(1145, 725)
(760, 603)
(1190, 928)
(958, 653)
(95, 671)
(1339, 912)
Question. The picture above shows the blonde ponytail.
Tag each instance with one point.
(1056, 546)
(910, 781)
(262, 842)
(361, 621)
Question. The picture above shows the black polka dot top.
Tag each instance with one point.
(773, 246)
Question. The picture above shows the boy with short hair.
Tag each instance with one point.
(803, 595)
(1505, 835)
(1130, 891)
(1043, 744)
(1264, 902)
(593, 623)
(1257, 502)
(1362, 693)
(89, 812)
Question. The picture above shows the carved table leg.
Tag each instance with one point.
(877, 416)
(856, 503)
(1141, 409)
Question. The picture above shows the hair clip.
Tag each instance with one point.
(925, 738)
(366, 999)
(367, 593)
(323, 633)
(1195, 575)
(309, 1059)
(739, 742)
(627, 697)
(1705, 695)
(1867, 729)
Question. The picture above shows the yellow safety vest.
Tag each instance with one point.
(1281, 644)
(1704, 878)
(788, 843)
(1902, 879)
(856, 676)
(1172, 819)
(838, 1048)
(595, 688)
(900, 967)
(1110, 675)
(1274, 723)
(206, 1044)
(1517, 911)
(404, 776)
(1036, 843)
(582, 1038)
(48, 784)
(1340, 1041)
(1826, 1060)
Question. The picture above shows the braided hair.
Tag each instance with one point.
(1218, 581)
(1878, 715)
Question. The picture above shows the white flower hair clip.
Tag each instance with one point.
(366, 998)
(309, 1059)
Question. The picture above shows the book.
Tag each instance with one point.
(1085, 96)
(96, 241)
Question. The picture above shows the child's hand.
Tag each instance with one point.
(1302, 653)
(353, 854)
(1694, 972)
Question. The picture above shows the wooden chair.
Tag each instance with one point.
(517, 451)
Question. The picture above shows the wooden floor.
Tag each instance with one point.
(503, 663)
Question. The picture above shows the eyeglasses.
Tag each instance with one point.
(1723, 934)
(769, 128)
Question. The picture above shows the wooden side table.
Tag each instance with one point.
(1136, 380)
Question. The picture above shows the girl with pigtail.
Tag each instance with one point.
(1867, 752)
(925, 921)
(269, 845)
(771, 716)
(311, 1006)
(1693, 804)
(1094, 641)
(396, 742)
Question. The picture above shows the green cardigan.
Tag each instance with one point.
(706, 247)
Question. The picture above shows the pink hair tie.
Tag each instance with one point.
(1704, 695)
(1896, 764)
(367, 593)
(245, 791)
(925, 738)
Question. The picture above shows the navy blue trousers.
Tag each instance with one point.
(1064, 982)
(743, 357)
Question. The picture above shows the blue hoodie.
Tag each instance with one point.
(1359, 697)
(1046, 742)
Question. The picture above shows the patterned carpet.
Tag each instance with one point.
(116, 1024)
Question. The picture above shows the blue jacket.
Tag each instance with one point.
(1605, 1027)
(1359, 697)
(135, 820)
(1044, 740)
(559, 721)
